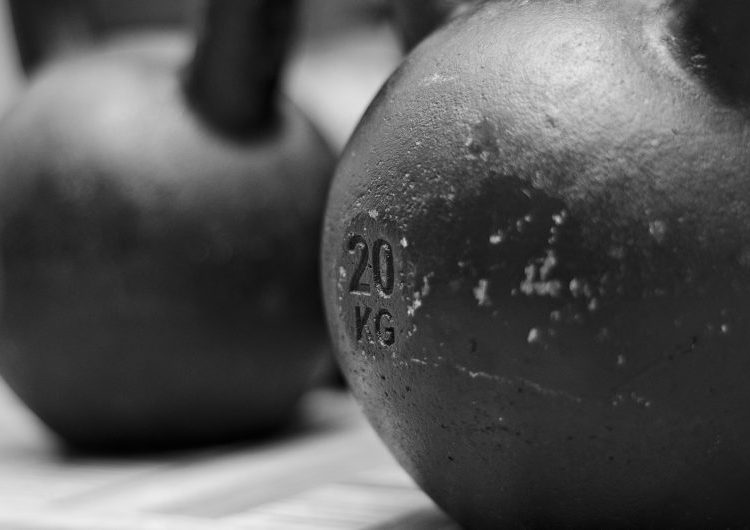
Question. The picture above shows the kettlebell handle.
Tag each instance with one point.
(233, 77)
(47, 28)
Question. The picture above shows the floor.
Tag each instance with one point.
(334, 473)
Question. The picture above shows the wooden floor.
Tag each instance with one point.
(332, 474)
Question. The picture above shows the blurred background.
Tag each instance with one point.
(343, 49)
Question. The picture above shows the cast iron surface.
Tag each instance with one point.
(536, 264)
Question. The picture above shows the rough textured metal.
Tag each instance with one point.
(537, 264)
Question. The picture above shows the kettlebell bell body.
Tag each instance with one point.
(159, 268)
(535, 264)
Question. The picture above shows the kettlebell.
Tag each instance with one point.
(415, 19)
(45, 29)
(536, 264)
(35, 31)
(159, 235)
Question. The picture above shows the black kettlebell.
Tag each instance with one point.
(537, 264)
(46, 29)
(415, 19)
(159, 232)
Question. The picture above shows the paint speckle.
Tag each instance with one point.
(658, 230)
(549, 263)
(559, 218)
(342, 272)
(640, 400)
(534, 336)
(527, 286)
(593, 305)
(426, 285)
(617, 252)
(480, 293)
(437, 78)
(373, 213)
(579, 288)
(404, 243)
(416, 304)
(537, 280)
(725, 328)
(519, 382)
(621, 360)
(497, 237)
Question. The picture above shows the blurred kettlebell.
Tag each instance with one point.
(32, 32)
(415, 19)
(537, 264)
(159, 230)
(45, 29)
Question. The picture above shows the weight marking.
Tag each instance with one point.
(382, 249)
(361, 322)
(355, 286)
(381, 262)
(382, 255)
(390, 333)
